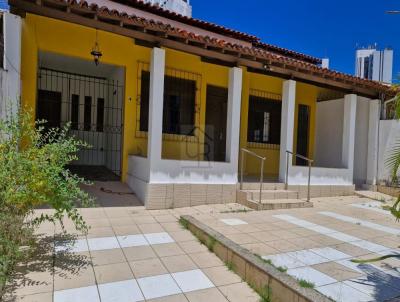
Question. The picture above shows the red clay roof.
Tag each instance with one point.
(155, 9)
(256, 54)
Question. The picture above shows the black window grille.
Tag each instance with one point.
(100, 115)
(87, 121)
(179, 104)
(74, 112)
(264, 120)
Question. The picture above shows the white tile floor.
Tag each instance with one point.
(311, 275)
(107, 243)
(158, 286)
(134, 290)
(159, 238)
(361, 222)
(127, 290)
(372, 206)
(308, 257)
(192, 280)
(341, 292)
(233, 221)
(376, 284)
(132, 240)
(82, 294)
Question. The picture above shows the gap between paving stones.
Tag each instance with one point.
(261, 276)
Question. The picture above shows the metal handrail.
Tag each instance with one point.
(244, 151)
(309, 160)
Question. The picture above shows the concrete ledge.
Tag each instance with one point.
(261, 276)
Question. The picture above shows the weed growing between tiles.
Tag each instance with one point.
(306, 284)
(282, 269)
(236, 211)
(184, 223)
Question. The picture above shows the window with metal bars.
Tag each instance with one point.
(178, 108)
(264, 120)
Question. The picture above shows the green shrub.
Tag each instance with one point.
(33, 174)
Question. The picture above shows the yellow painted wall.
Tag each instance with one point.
(45, 34)
(305, 94)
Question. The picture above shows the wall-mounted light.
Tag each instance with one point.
(96, 52)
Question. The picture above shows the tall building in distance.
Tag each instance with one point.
(181, 7)
(374, 64)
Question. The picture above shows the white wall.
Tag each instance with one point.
(389, 135)
(329, 134)
(320, 176)
(10, 76)
(361, 141)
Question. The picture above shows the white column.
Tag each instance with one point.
(156, 102)
(233, 116)
(373, 129)
(349, 126)
(287, 125)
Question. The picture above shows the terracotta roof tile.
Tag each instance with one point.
(258, 52)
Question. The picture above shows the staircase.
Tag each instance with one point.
(273, 197)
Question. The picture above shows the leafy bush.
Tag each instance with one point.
(33, 174)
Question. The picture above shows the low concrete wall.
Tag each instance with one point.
(298, 175)
(264, 278)
(389, 136)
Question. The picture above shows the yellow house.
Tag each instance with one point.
(184, 110)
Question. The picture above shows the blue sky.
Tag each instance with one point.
(315, 27)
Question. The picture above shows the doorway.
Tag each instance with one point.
(303, 127)
(216, 120)
(90, 99)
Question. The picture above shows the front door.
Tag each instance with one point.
(216, 120)
(303, 125)
(49, 108)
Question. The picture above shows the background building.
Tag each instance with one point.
(374, 64)
(182, 7)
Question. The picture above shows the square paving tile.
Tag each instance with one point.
(206, 259)
(168, 249)
(113, 272)
(132, 240)
(73, 277)
(159, 238)
(173, 298)
(370, 246)
(341, 292)
(126, 230)
(139, 253)
(337, 271)
(181, 236)
(81, 294)
(220, 275)
(192, 280)
(179, 263)
(284, 260)
(239, 292)
(146, 268)
(104, 243)
(158, 286)
(308, 257)
(330, 253)
(74, 246)
(127, 291)
(192, 247)
(233, 221)
(210, 294)
(107, 257)
(311, 275)
(42, 297)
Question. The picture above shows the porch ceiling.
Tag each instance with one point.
(161, 34)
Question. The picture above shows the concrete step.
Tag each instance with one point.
(271, 194)
(277, 204)
(266, 186)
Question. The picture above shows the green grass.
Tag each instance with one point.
(268, 261)
(306, 284)
(184, 223)
(230, 265)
